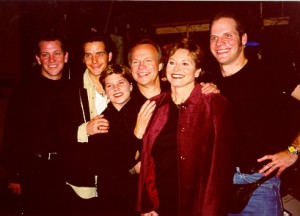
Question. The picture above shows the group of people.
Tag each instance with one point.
(118, 140)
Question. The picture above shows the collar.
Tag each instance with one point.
(88, 83)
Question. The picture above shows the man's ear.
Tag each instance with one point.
(66, 57)
(244, 39)
(110, 55)
(160, 66)
(38, 59)
(131, 87)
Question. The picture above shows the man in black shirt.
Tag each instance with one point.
(32, 154)
(261, 146)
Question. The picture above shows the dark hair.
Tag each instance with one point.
(194, 49)
(146, 41)
(51, 35)
(240, 22)
(123, 70)
(95, 36)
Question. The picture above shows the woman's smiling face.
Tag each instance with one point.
(181, 69)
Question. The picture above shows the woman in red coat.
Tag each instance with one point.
(186, 167)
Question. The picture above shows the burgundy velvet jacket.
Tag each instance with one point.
(204, 139)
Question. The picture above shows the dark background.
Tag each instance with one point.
(21, 21)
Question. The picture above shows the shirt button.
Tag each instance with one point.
(182, 129)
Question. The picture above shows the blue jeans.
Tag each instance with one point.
(266, 199)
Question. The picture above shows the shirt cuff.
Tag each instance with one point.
(81, 133)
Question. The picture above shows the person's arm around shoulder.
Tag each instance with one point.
(96, 125)
(209, 87)
(81, 133)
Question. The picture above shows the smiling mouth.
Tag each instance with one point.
(222, 51)
(142, 74)
(53, 66)
(119, 94)
(95, 67)
(177, 76)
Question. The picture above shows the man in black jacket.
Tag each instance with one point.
(32, 154)
(84, 102)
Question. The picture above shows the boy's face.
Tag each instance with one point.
(118, 90)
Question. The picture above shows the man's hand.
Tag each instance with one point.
(280, 161)
(208, 88)
(97, 125)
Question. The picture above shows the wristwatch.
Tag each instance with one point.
(292, 149)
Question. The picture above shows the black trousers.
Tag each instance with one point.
(42, 187)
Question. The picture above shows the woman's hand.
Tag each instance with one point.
(143, 118)
(137, 167)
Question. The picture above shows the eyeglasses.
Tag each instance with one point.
(56, 54)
